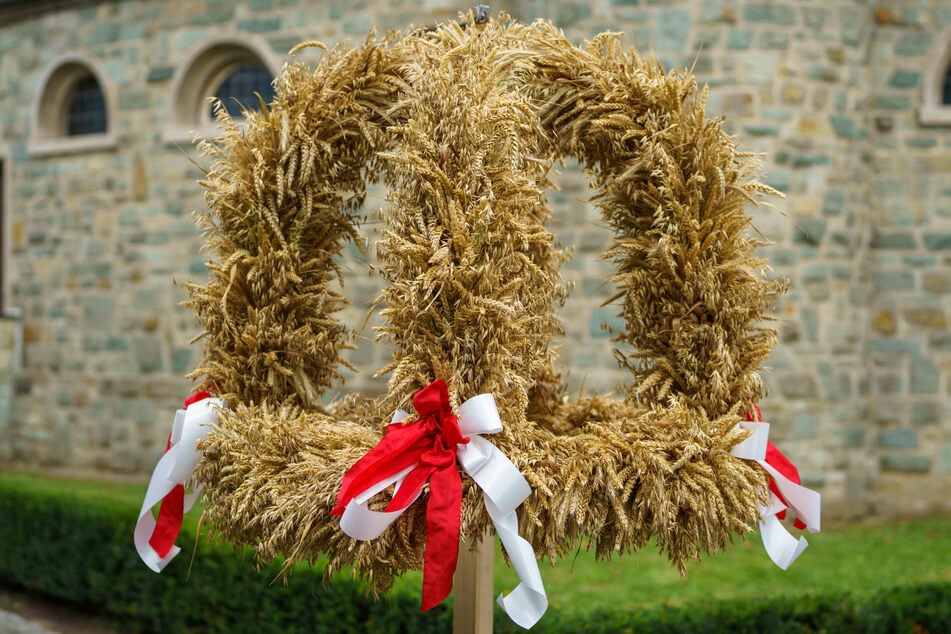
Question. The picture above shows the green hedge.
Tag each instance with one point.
(78, 548)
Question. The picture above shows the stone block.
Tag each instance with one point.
(843, 126)
(820, 72)
(761, 130)
(98, 311)
(944, 458)
(908, 463)
(218, 14)
(894, 346)
(359, 24)
(834, 202)
(926, 316)
(605, 322)
(925, 376)
(797, 385)
(160, 73)
(898, 439)
(937, 241)
(811, 160)
(921, 143)
(260, 25)
(899, 101)
(926, 412)
(885, 322)
(809, 231)
(739, 39)
(775, 40)
(895, 280)
(134, 99)
(815, 271)
(770, 14)
(805, 426)
(673, 28)
(936, 282)
(853, 437)
(181, 359)
(893, 240)
(914, 44)
(102, 33)
(148, 353)
(918, 260)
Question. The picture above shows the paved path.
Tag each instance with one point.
(13, 624)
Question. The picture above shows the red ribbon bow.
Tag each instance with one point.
(168, 524)
(776, 459)
(430, 444)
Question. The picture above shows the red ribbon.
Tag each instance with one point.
(777, 460)
(430, 443)
(168, 524)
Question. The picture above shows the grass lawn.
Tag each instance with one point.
(861, 559)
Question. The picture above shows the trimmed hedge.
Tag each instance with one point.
(79, 549)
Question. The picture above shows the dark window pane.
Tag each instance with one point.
(946, 93)
(87, 109)
(236, 92)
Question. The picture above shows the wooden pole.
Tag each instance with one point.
(472, 606)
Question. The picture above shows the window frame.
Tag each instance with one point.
(198, 78)
(224, 76)
(932, 111)
(51, 102)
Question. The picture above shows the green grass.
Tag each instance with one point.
(860, 559)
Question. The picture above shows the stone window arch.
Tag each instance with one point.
(230, 68)
(936, 85)
(73, 109)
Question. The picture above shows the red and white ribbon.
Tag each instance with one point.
(785, 492)
(504, 488)
(155, 538)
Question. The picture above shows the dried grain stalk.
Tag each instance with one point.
(463, 125)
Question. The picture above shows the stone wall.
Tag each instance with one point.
(10, 365)
(827, 90)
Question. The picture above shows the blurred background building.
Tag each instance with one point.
(848, 100)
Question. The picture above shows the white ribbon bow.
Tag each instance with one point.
(175, 467)
(780, 545)
(504, 488)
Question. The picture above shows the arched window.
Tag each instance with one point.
(936, 85)
(946, 93)
(228, 68)
(86, 111)
(241, 87)
(71, 109)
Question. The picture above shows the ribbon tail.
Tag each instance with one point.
(159, 487)
(805, 503)
(780, 545)
(526, 604)
(169, 522)
(505, 488)
(442, 535)
(359, 522)
(399, 448)
(155, 539)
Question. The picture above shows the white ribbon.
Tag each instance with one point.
(504, 489)
(175, 467)
(780, 545)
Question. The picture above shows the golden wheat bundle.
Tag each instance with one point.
(463, 123)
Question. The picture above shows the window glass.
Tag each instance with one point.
(87, 109)
(236, 92)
